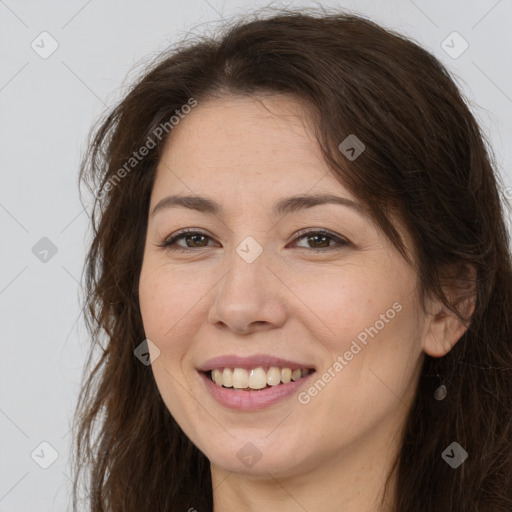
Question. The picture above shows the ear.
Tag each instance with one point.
(443, 328)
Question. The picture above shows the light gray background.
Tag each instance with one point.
(47, 107)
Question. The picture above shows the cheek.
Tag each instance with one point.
(345, 301)
(368, 325)
(368, 314)
(166, 296)
(167, 299)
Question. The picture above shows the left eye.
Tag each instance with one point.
(320, 238)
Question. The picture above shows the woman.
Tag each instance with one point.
(302, 274)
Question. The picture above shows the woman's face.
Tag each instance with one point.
(253, 282)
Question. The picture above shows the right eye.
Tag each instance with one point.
(196, 237)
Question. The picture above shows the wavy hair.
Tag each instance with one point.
(426, 162)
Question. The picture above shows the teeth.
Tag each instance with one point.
(273, 376)
(286, 375)
(296, 374)
(240, 378)
(227, 377)
(257, 378)
(217, 377)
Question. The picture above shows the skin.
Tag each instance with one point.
(337, 449)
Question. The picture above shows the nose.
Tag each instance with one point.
(250, 298)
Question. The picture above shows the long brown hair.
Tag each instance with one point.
(425, 162)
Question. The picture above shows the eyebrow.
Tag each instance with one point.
(281, 207)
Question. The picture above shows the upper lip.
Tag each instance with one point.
(263, 360)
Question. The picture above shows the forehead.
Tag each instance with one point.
(247, 144)
(249, 152)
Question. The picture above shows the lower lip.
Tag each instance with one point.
(252, 400)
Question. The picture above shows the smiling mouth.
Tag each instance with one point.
(257, 379)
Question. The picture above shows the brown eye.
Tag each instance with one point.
(193, 240)
(318, 241)
(196, 240)
(321, 239)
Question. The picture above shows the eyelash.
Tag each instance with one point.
(169, 242)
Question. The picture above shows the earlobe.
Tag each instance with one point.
(444, 332)
(444, 328)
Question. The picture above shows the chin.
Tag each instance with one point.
(256, 456)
